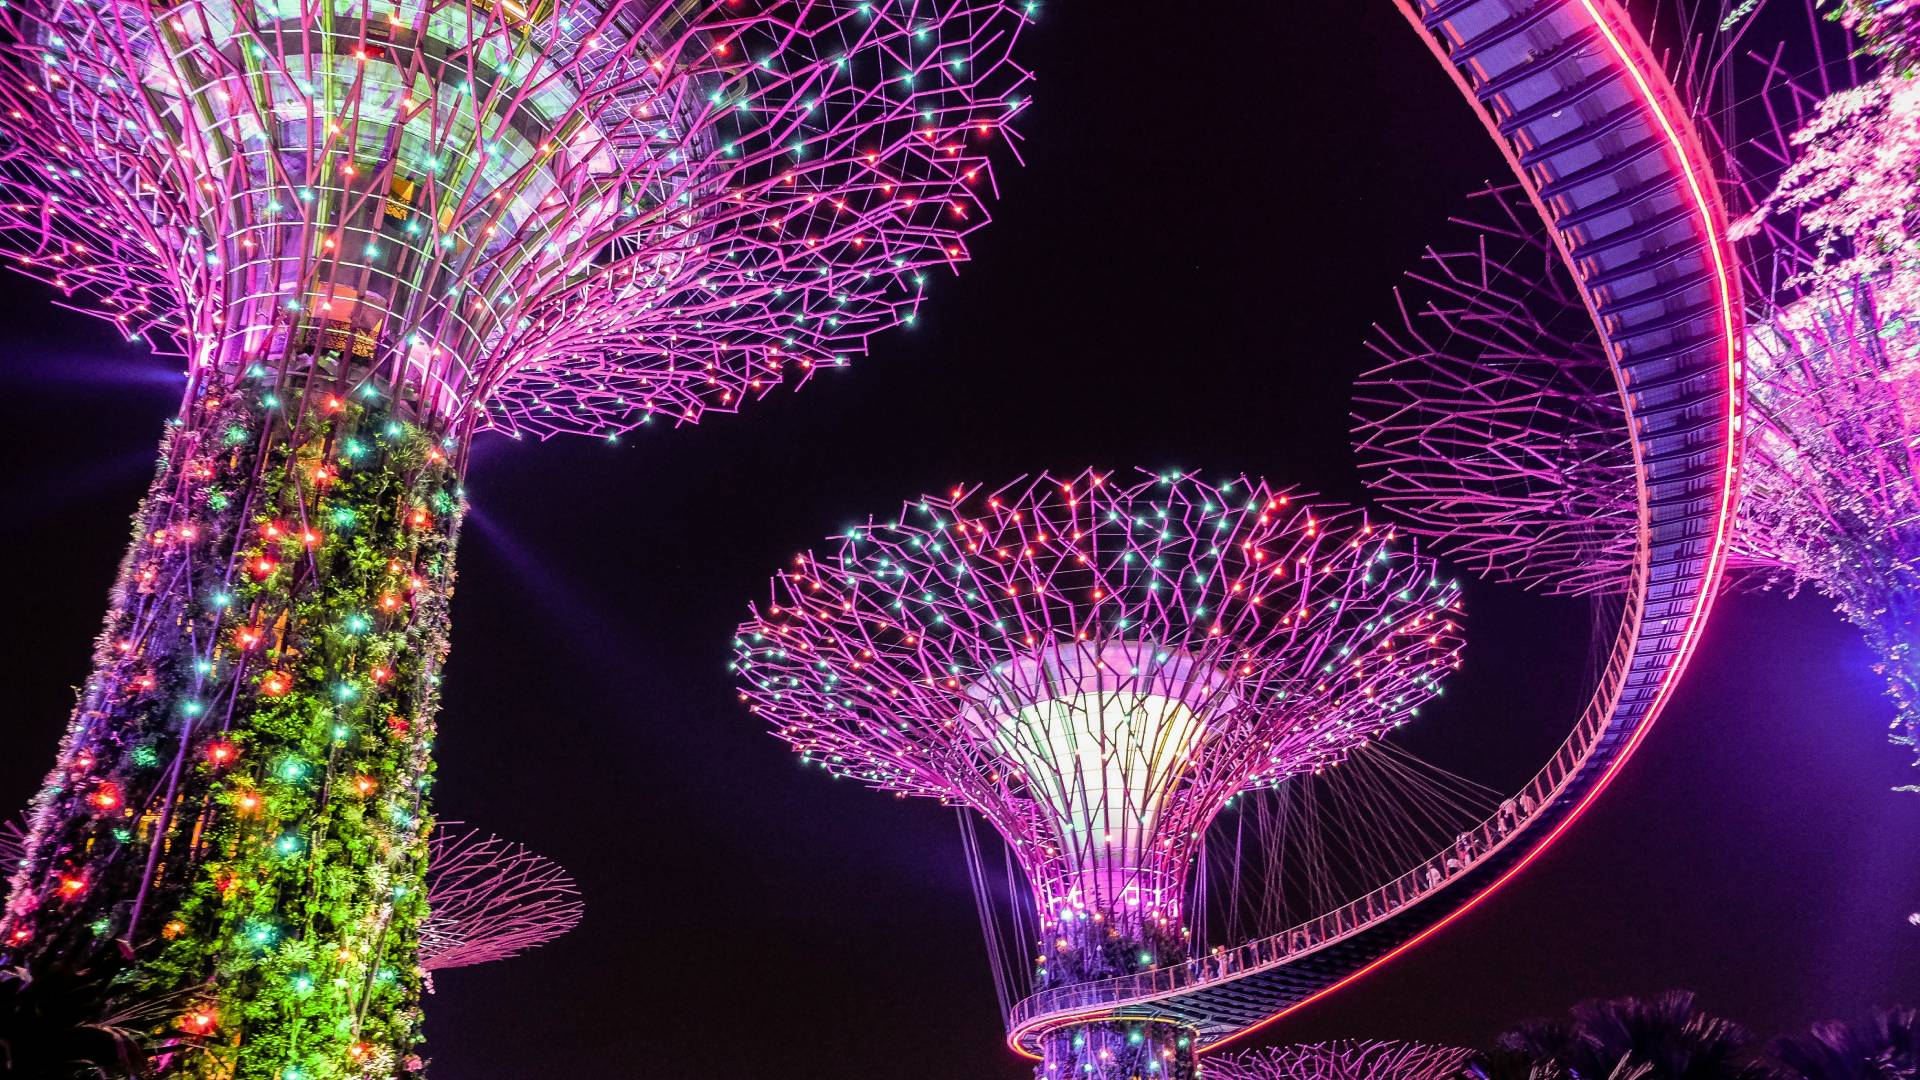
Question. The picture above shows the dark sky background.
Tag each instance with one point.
(1215, 204)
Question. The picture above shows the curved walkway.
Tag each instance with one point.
(1572, 95)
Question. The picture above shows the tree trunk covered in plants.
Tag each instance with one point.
(1112, 943)
(1118, 1050)
(236, 827)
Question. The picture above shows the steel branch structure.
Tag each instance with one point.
(1096, 665)
(489, 899)
(1492, 425)
(571, 217)
(13, 845)
(375, 229)
(1346, 1060)
(1505, 441)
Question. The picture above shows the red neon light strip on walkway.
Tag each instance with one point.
(1716, 558)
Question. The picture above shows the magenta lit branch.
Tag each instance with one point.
(559, 218)
(489, 899)
(1493, 425)
(1096, 664)
(13, 845)
(374, 230)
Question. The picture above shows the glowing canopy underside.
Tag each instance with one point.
(1101, 739)
(1097, 665)
(573, 217)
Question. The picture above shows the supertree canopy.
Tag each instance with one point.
(374, 230)
(1096, 665)
(565, 218)
(1832, 488)
(1345, 1060)
(1491, 425)
(1499, 436)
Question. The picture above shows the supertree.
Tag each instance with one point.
(489, 899)
(1096, 666)
(374, 230)
(1343, 1060)
(1498, 435)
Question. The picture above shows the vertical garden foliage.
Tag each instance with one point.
(239, 819)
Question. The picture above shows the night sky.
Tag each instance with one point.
(1215, 203)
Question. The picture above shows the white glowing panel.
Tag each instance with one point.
(1103, 764)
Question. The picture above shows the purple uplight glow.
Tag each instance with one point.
(1096, 666)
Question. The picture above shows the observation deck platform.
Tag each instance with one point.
(1574, 98)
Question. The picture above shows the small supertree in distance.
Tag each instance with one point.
(489, 899)
(1343, 1060)
(1096, 665)
(373, 231)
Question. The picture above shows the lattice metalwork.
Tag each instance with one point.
(569, 216)
(1492, 425)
